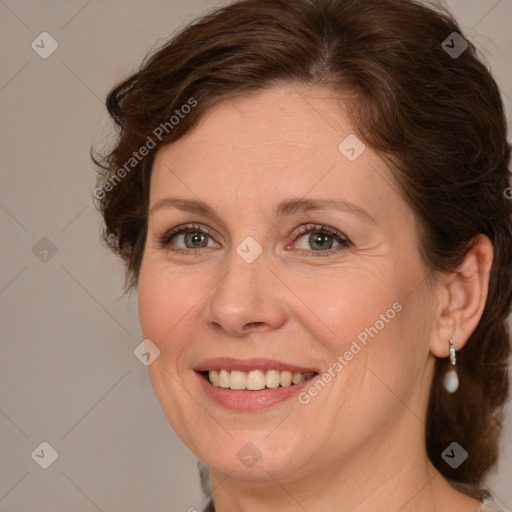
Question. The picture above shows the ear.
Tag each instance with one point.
(461, 298)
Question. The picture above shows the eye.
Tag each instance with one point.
(187, 239)
(312, 238)
(320, 239)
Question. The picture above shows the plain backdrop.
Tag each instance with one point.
(68, 375)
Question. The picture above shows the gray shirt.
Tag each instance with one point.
(488, 503)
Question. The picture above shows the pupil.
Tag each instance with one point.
(321, 241)
(195, 238)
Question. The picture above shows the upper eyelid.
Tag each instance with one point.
(182, 228)
(310, 227)
(342, 239)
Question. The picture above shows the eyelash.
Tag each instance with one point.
(165, 239)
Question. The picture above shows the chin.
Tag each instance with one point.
(254, 456)
(263, 471)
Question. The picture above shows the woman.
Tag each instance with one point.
(310, 197)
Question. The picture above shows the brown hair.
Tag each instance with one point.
(436, 118)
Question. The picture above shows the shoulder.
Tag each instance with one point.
(488, 503)
(211, 508)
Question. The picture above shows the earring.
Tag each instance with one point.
(451, 380)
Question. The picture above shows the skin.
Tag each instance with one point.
(358, 445)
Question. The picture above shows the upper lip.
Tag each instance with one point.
(246, 365)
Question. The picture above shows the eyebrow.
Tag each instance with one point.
(283, 209)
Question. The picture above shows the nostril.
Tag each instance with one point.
(254, 324)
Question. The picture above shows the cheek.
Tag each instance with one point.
(388, 372)
(347, 302)
(165, 299)
(155, 303)
(378, 326)
(165, 304)
(160, 311)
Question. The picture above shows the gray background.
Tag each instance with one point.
(68, 375)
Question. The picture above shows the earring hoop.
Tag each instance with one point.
(451, 379)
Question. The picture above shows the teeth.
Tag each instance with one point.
(214, 377)
(297, 378)
(256, 379)
(238, 380)
(286, 379)
(272, 379)
(224, 379)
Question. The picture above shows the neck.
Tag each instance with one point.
(383, 474)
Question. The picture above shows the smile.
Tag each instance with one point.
(256, 380)
(252, 384)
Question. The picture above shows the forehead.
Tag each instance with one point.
(281, 141)
(270, 121)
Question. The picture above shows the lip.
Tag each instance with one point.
(246, 400)
(247, 365)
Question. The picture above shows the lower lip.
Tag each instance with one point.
(245, 400)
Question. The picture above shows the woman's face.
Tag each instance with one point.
(295, 254)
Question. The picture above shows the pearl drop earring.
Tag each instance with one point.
(451, 380)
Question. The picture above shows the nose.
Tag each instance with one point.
(248, 298)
